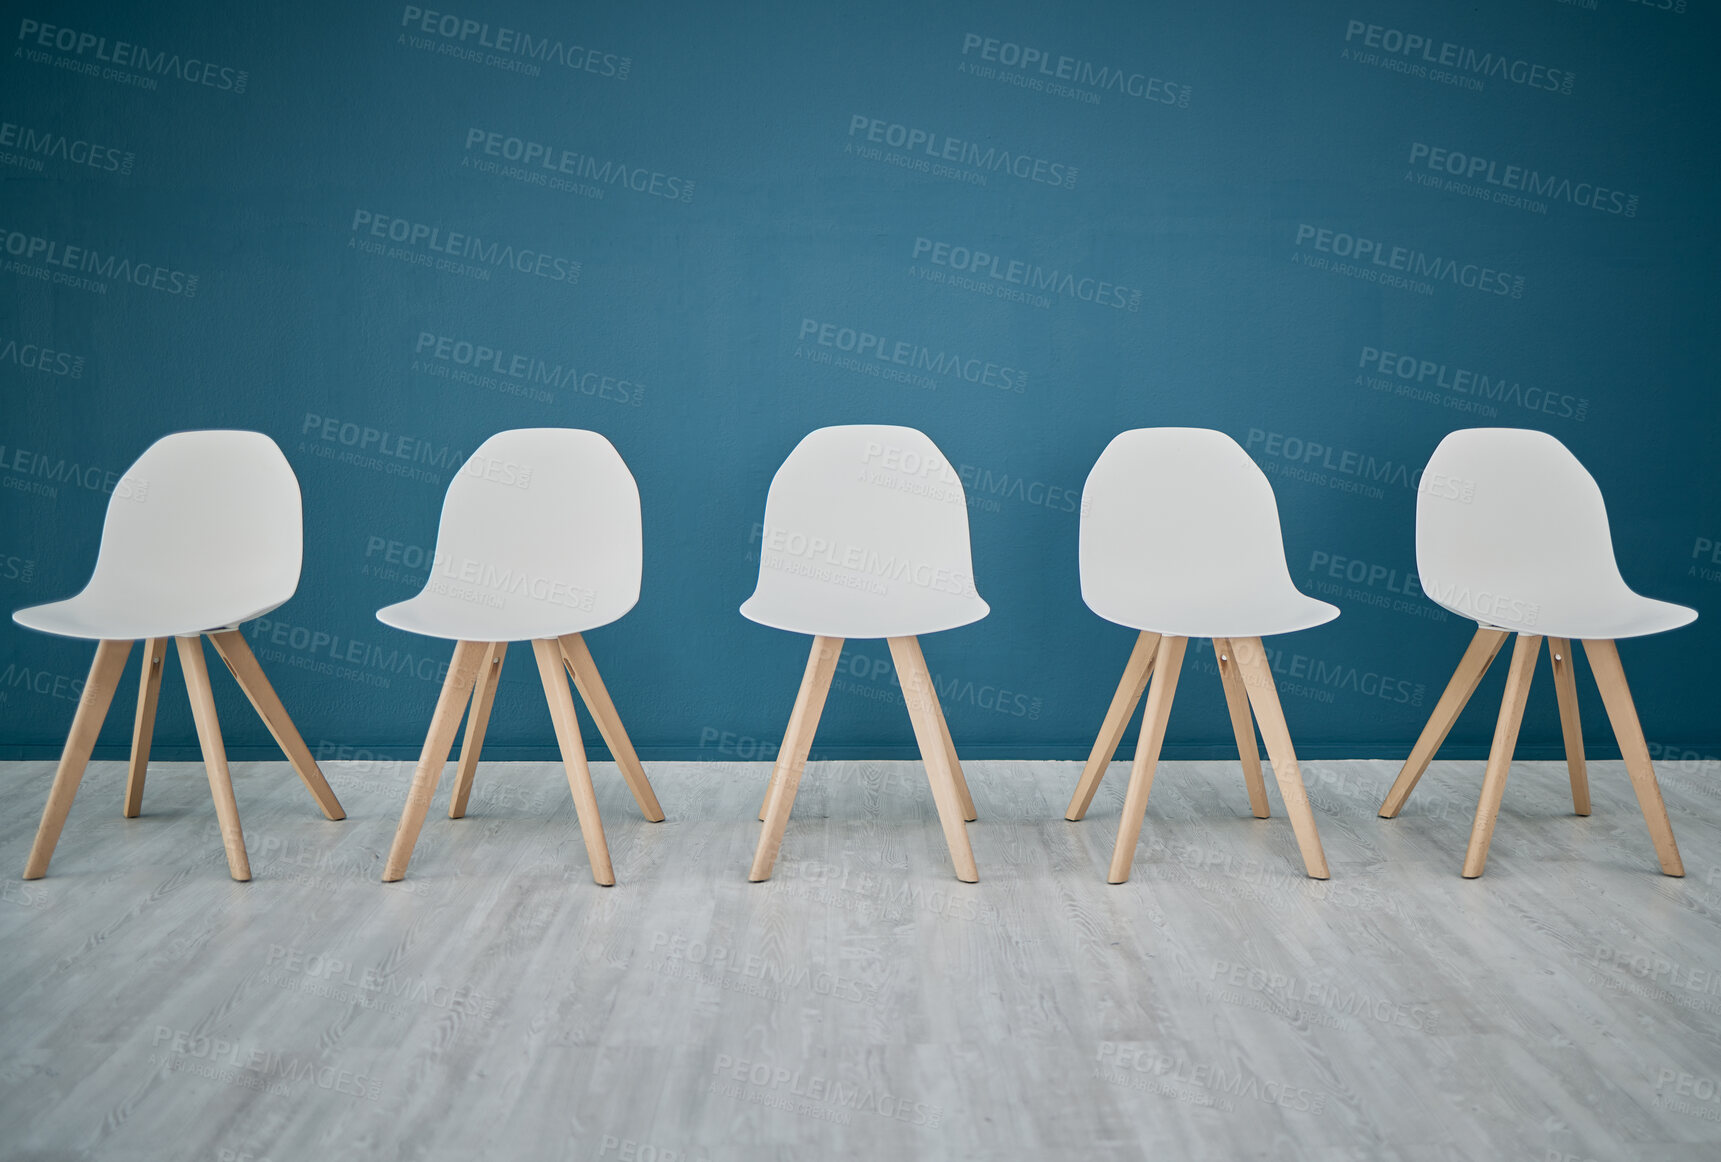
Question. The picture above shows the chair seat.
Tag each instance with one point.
(1631, 615)
(1220, 613)
(473, 618)
(137, 616)
(815, 610)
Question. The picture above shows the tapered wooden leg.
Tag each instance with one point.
(477, 721)
(143, 726)
(230, 644)
(438, 741)
(548, 652)
(1123, 703)
(792, 757)
(950, 759)
(1566, 690)
(92, 710)
(1242, 725)
(597, 699)
(921, 697)
(1480, 654)
(214, 754)
(1622, 713)
(1167, 665)
(1523, 669)
(1257, 677)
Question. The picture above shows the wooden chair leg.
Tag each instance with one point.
(438, 741)
(1566, 690)
(951, 761)
(1167, 665)
(1523, 669)
(477, 722)
(92, 711)
(214, 753)
(231, 645)
(593, 693)
(143, 726)
(792, 757)
(921, 697)
(548, 652)
(1257, 675)
(1242, 725)
(1622, 713)
(1478, 656)
(1123, 703)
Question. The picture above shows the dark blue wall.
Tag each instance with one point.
(713, 175)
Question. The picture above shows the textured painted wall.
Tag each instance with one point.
(380, 232)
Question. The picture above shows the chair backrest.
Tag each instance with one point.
(542, 517)
(207, 520)
(1172, 516)
(1508, 520)
(868, 516)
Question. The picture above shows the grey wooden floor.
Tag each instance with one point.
(498, 1005)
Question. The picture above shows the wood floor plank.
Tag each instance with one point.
(1221, 1004)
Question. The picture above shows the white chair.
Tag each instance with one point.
(1179, 539)
(1511, 532)
(539, 540)
(866, 536)
(202, 533)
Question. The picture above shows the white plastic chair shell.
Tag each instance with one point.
(1180, 536)
(540, 537)
(203, 532)
(1511, 531)
(866, 536)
